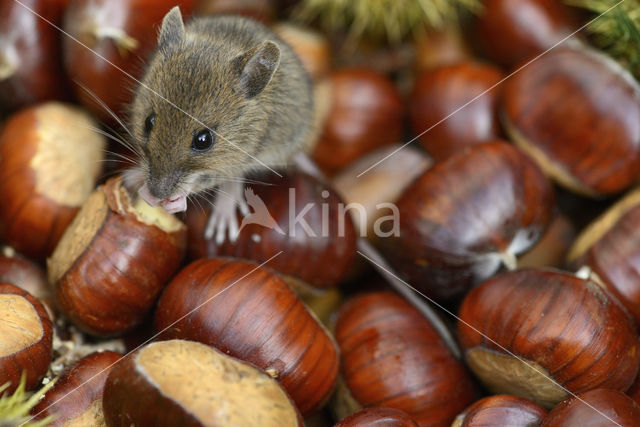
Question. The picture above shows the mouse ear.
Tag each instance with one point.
(172, 28)
(257, 66)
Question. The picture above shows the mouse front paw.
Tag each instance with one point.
(224, 219)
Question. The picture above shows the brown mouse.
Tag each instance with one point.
(221, 97)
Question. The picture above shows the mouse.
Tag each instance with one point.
(221, 97)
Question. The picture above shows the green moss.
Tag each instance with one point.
(618, 31)
(14, 408)
(392, 20)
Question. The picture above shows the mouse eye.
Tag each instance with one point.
(203, 140)
(148, 123)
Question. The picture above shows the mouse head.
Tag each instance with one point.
(199, 113)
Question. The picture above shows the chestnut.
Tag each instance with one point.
(438, 48)
(501, 410)
(391, 356)
(114, 259)
(76, 398)
(31, 68)
(511, 31)
(468, 215)
(26, 338)
(248, 312)
(113, 39)
(312, 47)
(537, 333)
(377, 189)
(25, 274)
(455, 106)
(366, 113)
(186, 383)
(50, 162)
(312, 224)
(575, 112)
(609, 247)
(377, 417)
(595, 408)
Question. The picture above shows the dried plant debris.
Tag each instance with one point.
(617, 31)
(392, 20)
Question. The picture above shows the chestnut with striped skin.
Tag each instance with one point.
(468, 215)
(50, 163)
(114, 259)
(558, 325)
(251, 314)
(610, 247)
(575, 112)
(512, 31)
(595, 408)
(390, 356)
(501, 410)
(26, 338)
(185, 383)
(366, 113)
(305, 256)
(377, 417)
(124, 32)
(31, 53)
(76, 398)
(447, 93)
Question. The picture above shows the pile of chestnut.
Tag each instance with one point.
(493, 169)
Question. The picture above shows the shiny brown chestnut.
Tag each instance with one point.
(536, 333)
(511, 31)
(595, 408)
(366, 113)
(377, 417)
(31, 68)
(610, 248)
(575, 112)
(391, 356)
(456, 106)
(50, 163)
(185, 383)
(312, 224)
(312, 47)
(25, 274)
(251, 314)
(114, 259)
(468, 215)
(76, 398)
(109, 44)
(439, 48)
(501, 410)
(26, 338)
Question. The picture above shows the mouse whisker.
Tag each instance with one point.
(105, 107)
(120, 156)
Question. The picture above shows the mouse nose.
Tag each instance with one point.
(148, 197)
(162, 187)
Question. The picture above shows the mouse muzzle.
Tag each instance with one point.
(177, 202)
